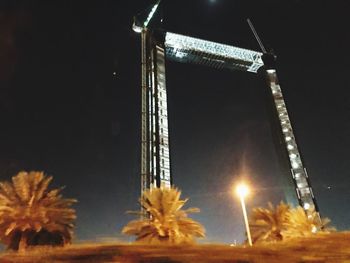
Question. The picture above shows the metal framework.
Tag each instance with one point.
(193, 50)
(155, 155)
(155, 150)
(298, 172)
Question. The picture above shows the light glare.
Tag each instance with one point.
(242, 190)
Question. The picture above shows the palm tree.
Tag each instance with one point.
(300, 225)
(30, 214)
(268, 224)
(167, 222)
(283, 223)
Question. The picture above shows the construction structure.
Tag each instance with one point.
(158, 45)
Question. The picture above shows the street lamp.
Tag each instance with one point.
(242, 190)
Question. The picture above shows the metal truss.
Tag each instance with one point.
(155, 155)
(193, 50)
(299, 174)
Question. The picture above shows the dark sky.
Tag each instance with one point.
(63, 111)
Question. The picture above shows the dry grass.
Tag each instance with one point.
(322, 248)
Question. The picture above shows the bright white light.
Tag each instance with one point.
(293, 156)
(242, 190)
(295, 165)
(136, 28)
(306, 206)
(180, 54)
(211, 48)
(314, 229)
(290, 147)
(271, 71)
(150, 15)
(288, 138)
(285, 130)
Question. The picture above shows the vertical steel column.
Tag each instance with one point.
(155, 154)
(144, 117)
(160, 163)
(161, 111)
(300, 177)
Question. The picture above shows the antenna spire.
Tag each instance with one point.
(256, 35)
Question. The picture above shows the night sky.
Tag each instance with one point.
(70, 105)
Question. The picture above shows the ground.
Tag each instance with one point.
(322, 248)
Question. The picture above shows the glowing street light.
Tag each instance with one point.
(242, 191)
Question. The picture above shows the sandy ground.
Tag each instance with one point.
(322, 248)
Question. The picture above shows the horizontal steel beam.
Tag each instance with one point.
(193, 50)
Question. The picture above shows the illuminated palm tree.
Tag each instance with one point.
(301, 225)
(283, 223)
(268, 224)
(30, 214)
(167, 222)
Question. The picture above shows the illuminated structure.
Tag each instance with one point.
(155, 154)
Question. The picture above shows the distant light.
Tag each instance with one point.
(329, 187)
(288, 138)
(136, 28)
(180, 54)
(242, 190)
(314, 229)
(295, 165)
(306, 206)
(293, 156)
(271, 71)
(290, 147)
(114, 73)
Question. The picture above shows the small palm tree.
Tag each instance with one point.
(268, 224)
(167, 222)
(300, 225)
(30, 214)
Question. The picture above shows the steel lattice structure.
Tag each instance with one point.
(193, 50)
(155, 148)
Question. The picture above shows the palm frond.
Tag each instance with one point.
(29, 208)
(267, 224)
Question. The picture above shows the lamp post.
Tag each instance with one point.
(242, 191)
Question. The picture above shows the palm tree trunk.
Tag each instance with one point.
(23, 242)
